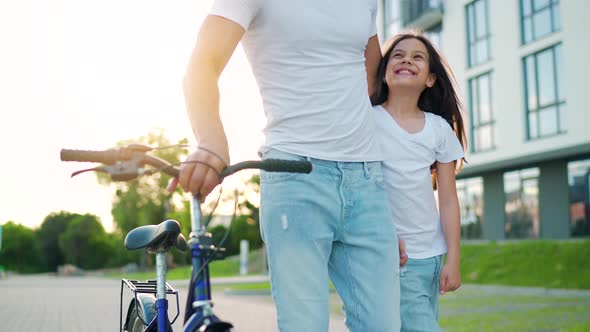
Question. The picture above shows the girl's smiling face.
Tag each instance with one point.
(408, 66)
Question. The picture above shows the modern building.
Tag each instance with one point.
(522, 68)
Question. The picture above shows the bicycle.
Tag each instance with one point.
(148, 310)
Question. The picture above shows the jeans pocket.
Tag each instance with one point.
(375, 173)
(403, 270)
(277, 177)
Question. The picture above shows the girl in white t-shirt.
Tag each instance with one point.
(420, 127)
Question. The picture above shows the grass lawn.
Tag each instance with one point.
(473, 309)
(532, 263)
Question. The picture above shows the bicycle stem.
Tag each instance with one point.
(197, 227)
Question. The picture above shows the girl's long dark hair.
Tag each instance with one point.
(441, 99)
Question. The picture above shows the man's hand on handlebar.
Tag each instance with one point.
(199, 174)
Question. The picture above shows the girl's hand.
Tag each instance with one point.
(403, 255)
(450, 278)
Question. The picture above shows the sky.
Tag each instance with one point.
(85, 74)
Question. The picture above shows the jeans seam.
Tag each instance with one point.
(352, 288)
(435, 281)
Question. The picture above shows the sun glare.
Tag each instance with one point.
(85, 74)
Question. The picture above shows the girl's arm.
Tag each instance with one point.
(450, 278)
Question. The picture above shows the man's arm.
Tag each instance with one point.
(217, 40)
(372, 59)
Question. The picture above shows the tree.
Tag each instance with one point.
(54, 225)
(246, 225)
(85, 242)
(20, 251)
(145, 201)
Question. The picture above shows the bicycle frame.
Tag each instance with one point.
(198, 312)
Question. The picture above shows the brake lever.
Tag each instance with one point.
(95, 169)
(124, 171)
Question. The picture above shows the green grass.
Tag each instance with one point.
(534, 263)
(471, 309)
(460, 312)
(223, 268)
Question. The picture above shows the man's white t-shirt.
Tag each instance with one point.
(406, 171)
(308, 58)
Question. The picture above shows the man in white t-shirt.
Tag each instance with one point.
(312, 60)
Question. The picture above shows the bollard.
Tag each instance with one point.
(244, 257)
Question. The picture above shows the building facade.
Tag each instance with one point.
(521, 69)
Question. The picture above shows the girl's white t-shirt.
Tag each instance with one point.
(408, 181)
(308, 58)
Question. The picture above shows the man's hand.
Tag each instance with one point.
(199, 174)
(403, 256)
(450, 278)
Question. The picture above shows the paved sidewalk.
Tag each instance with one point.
(68, 304)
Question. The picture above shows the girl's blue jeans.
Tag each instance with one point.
(419, 281)
(332, 224)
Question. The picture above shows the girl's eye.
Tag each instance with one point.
(396, 55)
(417, 57)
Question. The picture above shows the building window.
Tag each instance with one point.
(521, 190)
(478, 33)
(539, 18)
(482, 117)
(545, 93)
(579, 183)
(391, 17)
(470, 193)
(415, 9)
(433, 34)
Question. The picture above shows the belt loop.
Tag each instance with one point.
(366, 169)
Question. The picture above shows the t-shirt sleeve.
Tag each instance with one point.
(239, 11)
(449, 148)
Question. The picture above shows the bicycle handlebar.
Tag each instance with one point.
(126, 163)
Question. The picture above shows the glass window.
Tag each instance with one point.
(433, 35)
(579, 183)
(546, 78)
(521, 190)
(545, 92)
(391, 17)
(478, 32)
(470, 193)
(481, 110)
(539, 18)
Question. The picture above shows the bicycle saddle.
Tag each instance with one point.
(166, 234)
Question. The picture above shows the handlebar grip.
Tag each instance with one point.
(270, 165)
(290, 166)
(104, 157)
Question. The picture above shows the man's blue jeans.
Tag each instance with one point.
(333, 223)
